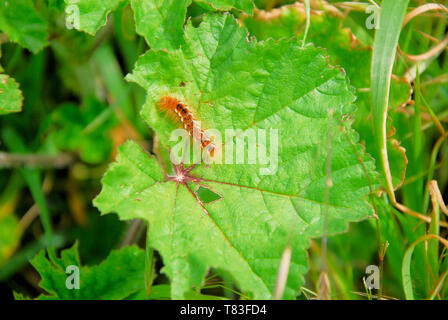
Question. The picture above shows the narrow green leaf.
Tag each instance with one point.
(406, 273)
(406, 265)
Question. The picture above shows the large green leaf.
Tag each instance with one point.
(232, 83)
(23, 24)
(117, 277)
(11, 98)
(327, 31)
(161, 21)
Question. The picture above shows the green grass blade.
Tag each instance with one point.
(406, 265)
(406, 272)
(433, 245)
(384, 50)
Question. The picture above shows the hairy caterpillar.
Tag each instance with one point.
(183, 113)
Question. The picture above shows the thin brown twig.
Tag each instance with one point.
(4, 37)
(428, 36)
(29, 217)
(14, 160)
(415, 214)
(437, 80)
(33, 212)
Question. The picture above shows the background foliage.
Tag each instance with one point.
(80, 136)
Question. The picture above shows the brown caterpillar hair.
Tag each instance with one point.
(182, 113)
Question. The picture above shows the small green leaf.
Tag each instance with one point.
(231, 83)
(120, 275)
(10, 234)
(23, 24)
(206, 195)
(89, 15)
(11, 98)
